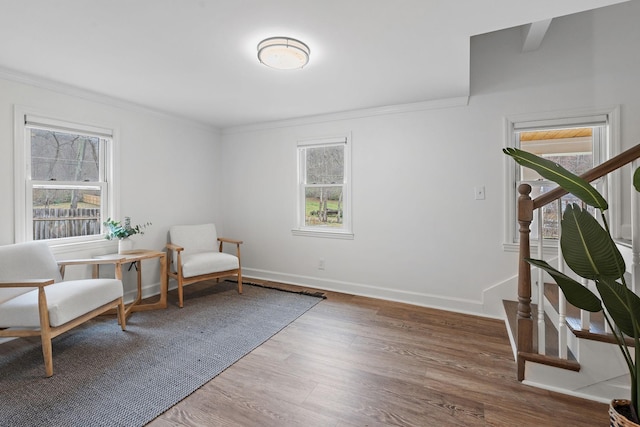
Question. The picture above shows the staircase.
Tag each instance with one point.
(593, 368)
(557, 346)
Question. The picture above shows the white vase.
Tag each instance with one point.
(124, 245)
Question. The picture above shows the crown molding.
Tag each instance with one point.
(459, 101)
(101, 98)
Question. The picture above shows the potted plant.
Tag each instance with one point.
(591, 253)
(122, 232)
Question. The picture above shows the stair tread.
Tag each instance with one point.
(551, 291)
(596, 331)
(551, 333)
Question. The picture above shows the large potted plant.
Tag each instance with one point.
(591, 253)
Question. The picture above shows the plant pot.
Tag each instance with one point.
(124, 245)
(616, 410)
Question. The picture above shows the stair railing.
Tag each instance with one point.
(525, 214)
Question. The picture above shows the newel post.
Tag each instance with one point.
(525, 321)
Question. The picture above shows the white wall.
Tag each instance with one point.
(169, 168)
(420, 236)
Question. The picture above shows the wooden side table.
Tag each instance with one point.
(136, 257)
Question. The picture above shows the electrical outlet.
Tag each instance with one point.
(321, 264)
(479, 191)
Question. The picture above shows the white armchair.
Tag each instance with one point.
(35, 301)
(195, 254)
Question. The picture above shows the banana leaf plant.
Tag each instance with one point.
(590, 251)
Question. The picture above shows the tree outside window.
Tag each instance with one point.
(324, 181)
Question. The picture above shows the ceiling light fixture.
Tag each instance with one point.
(283, 53)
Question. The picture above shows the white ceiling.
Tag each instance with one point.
(197, 58)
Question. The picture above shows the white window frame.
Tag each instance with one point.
(346, 231)
(559, 119)
(23, 207)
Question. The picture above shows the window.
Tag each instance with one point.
(578, 143)
(576, 149)
(65, 184)
(324, 204)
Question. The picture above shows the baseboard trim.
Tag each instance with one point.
(149, 290)
(459, 305)
(566, 391)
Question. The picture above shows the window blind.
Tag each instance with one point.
(31, 121)
(584, 121)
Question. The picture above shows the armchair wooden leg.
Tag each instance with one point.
(47, 353)
(180, 293)
(45, 331)
(122, 317)
(239, 282)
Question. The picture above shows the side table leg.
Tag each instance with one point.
(162, 302)
(139, 297)
(164, 283)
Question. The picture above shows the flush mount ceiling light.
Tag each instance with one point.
(283, 53)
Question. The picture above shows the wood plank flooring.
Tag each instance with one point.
(355, 361)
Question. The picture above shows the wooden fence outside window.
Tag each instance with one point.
(54, 223)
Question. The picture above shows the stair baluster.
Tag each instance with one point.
(635, 236)
(562, 301)
(542, 336)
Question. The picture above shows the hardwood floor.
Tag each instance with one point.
(355, 361)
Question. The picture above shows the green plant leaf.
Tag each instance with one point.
(575, 292)
(556, 173)
(621, 303)
(587, 247)
(636, 179)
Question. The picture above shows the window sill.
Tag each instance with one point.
(328, 234)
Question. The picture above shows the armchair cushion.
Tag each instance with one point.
(65, 300)
(195, 264)
(195, 238)
(32, 260)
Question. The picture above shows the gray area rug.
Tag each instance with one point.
(106, 377)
